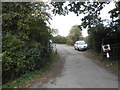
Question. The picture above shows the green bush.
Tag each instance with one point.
(33, 58)
(59, 39)
(25, 38)
(17, 58)
(96, 35)
(13, 56)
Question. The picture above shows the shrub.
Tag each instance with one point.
(19, 58)
(13, 56)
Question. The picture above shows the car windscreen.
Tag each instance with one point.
(81, 43)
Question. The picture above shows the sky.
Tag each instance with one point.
(64, 23)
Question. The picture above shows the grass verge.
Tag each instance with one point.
(30, 76)
(111, 63)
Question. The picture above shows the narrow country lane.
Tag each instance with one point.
(78, 71)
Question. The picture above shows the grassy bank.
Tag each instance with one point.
(111, 63)
(25, 79)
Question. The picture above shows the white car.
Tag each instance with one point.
(80, 45)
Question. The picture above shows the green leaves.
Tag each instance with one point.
(25, 38)
(96, 34)
(18, 58)
(74, 35)
(116, 11)
(59, 39)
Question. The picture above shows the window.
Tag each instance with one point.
(81, 43)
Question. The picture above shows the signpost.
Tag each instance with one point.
(106, 48)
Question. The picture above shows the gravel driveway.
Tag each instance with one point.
(75, 70)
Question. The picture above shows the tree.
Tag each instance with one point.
(74, 35)
(114, 14)
(91, 10)
(59, 39)
(96, 35)
(92, 21)
(25, 38)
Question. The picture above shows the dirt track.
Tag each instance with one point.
(75, 70)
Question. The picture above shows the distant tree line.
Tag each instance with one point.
(74, 35)
(59, 39)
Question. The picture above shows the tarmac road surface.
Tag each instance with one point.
(75, 70)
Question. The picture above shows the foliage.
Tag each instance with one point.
(96, 35)
(59, 39)
(25, 38)
(12, 58)
(116, 11)
(114, 14)
(92, 21)
(25, 79)
(17, 58)
(91, 10)
(74, 35)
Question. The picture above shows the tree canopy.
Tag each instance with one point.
(74, 35)
(91, 10)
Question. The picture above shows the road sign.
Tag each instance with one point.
(106, 48)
